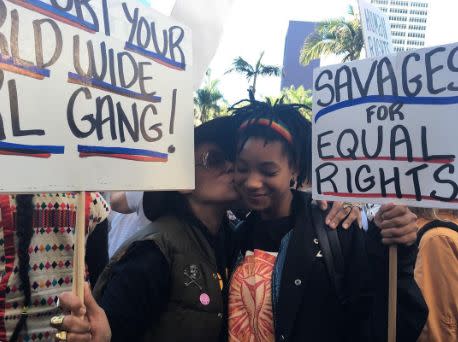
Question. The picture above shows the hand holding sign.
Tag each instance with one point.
(94, 325)
(397, 224)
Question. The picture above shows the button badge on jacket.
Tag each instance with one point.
(193, 274)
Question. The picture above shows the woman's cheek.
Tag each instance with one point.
(238, 180)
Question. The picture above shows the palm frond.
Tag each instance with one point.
(317, 47)
(207, 99)
(269, 70)
(241, 66)
(333, 36)
(251, 72)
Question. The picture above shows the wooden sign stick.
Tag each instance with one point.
(392, 292)
(79, 247)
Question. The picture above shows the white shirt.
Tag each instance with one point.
(123, 226)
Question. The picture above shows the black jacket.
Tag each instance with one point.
(306, 306)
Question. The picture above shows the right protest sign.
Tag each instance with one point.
(384, 129)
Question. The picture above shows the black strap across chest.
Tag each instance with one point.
(436, 224)
(331, 250)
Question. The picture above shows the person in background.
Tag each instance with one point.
(36, 253)
(436, 272)
(127, 202)
(97, 257)
(126, 218)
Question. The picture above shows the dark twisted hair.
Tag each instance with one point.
(24, 233)
(299, 151)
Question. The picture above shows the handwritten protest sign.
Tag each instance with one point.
(376, 30)
(94, 95)
(384, 129)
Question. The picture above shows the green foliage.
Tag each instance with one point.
(208, 100)
(252, 72)
(299, 95)
(335, 36)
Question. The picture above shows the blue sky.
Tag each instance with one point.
(260, 25)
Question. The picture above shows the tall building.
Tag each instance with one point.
(408, 20)
(294, 73)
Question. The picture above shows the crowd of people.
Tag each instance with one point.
(245, 256)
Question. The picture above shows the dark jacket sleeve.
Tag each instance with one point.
(137, 293)
(412, 311)
(358, 286)
(97, 251)
(366, 288)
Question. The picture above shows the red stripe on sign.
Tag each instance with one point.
(377, 195)
(19, 154)
(414, 159)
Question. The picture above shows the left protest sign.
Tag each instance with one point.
(94, 96)
(384, 129)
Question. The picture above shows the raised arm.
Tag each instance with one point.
(119, 203)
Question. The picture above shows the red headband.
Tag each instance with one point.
(277, 126)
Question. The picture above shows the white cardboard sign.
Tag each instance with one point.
(384, 129)
(376, 30)
(94, 95)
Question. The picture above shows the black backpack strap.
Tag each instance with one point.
(436, 224)
(331, 249)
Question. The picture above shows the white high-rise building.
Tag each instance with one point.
(408, 20)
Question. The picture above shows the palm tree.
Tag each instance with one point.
(335, 36)
(207, 99)
(299, 95)
(253, 72)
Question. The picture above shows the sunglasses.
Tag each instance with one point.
(213, 160)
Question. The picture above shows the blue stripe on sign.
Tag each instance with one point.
(121, 150)
(387, 99)
(40, 148)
